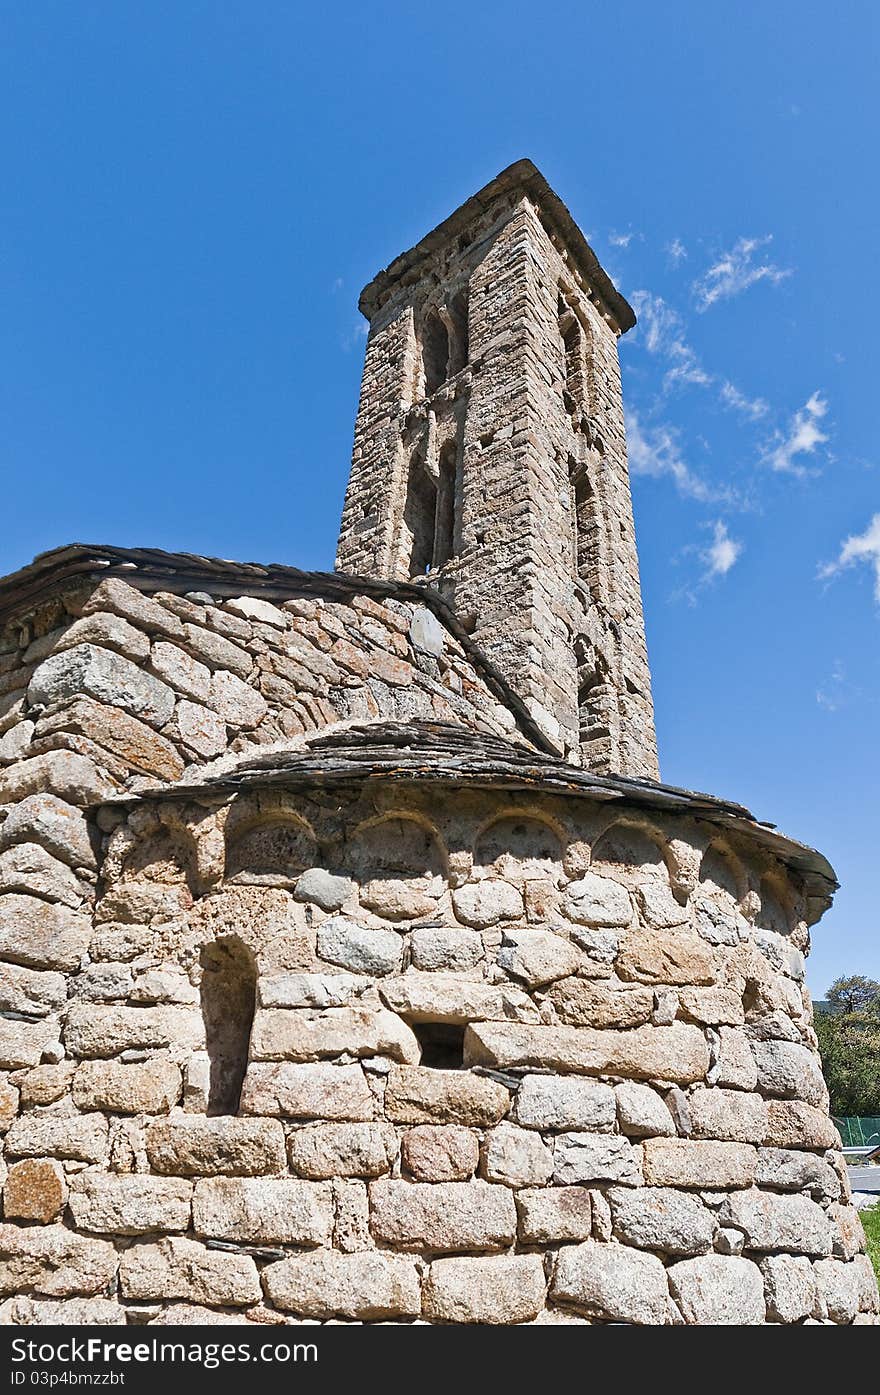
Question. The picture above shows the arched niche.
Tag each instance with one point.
(271, 850)
(164, 857)
(721, 875)
(774, 912)
(518, 847)
(632, 853)
(400, 865)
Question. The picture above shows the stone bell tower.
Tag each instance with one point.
(490, 461)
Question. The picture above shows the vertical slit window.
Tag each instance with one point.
(435, 352)
(419, 516)
(228, 994)
(444, 543)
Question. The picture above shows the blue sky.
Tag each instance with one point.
(194, 193)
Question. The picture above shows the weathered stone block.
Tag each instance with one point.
(677, 1053)
(324, 889)
(612, 1282)
(735, 1062)
(190, 1146)
(35, 1190)
(129, 1204)
(46, 1084)
(105, 676)
(554, 1102)
(30, 990)
(181, 671)
(440, 1152)
(420, 1095)
(786, 1068)
(365, 1287)
(505, 1289)
(236, 702)
(516, 1157)
(427, 997)
(790, 1170)
(712, 1006)
(263, 1210)
(595, 1157)
(72, 778)
(300, 1036)
(773, 1221)
(718, 1289)
(596, 900)
(582, 1002)
(95, 1030)
(310, 990)
(316, 1091)
(132, 742)
(107, 631)
(180, 1268)
(57, 826)
(485, 903)
(665, 956)
(54, 1261)
(537, 957)
(662, 1218)
(796, 1125)
(23, 1043)
(342, 1150)
(397, 900)
(683, 1162)
(144, 1087)
(142, 611)
(548, 1215)
(728, 1114)
(29, 868)
(439, 948)
(641, 1113)
(444, 1216)
(80, 1137)
(199, 729)
(789, 1287)
(41, 935)
(360, 948)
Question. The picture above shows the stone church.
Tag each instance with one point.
(354, 963)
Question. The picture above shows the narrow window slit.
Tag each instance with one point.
(228, 995)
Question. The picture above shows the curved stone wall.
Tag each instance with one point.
(440, 1055)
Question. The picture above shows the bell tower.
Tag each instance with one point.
(490, 461)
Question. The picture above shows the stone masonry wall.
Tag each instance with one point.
(387, 1054)
(105, 687)
(542, 563)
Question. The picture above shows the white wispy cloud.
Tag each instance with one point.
(676, 251)
(620, 239)
(752, 407)
(655, 450)
(833, 692)
(735, 271)
(859, 548)
(663, 334)
(803, 438)
(722, 552)
(354, 337)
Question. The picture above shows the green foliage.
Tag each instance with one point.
(871, 1222)
(849, 1041)
(854, 994)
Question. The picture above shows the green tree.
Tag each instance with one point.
(854, 994)
(849, 1042)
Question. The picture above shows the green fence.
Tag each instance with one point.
(859, 1132)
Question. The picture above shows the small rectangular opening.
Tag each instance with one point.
(442, 1044)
